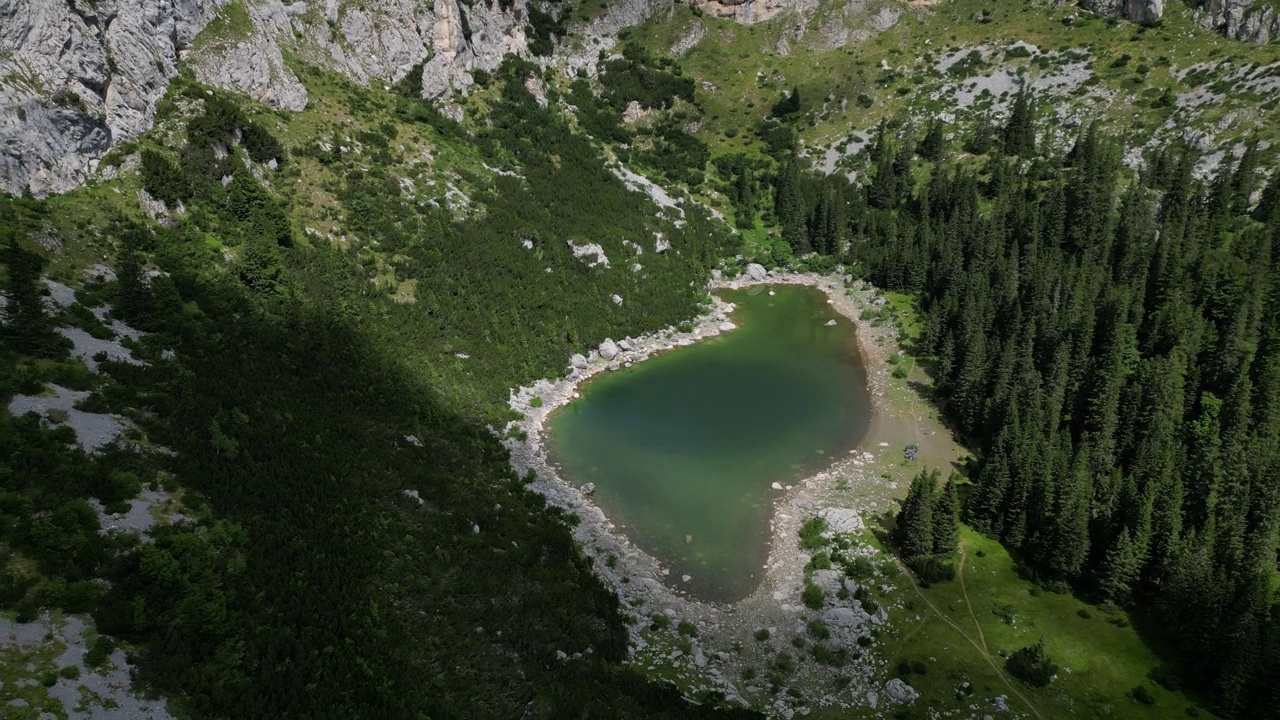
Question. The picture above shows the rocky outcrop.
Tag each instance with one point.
(241, 53)
(1248, 20)
(76, 76)
(753, 11)
(1139, 11)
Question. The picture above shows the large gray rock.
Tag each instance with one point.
(609, 349)
(578, 361)
(844, 617)
(899, 692)
(756, 272)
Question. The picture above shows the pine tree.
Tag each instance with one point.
(1119, 572)
(946, 519)
(1019, 133)
(933, 144)
(914, 530)
(27, 323)
(792, 214)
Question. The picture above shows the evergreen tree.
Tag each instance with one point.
(1019, 132)
(914, 531)
(1119, 571)
(30, 328)
(946, 519)
(933, 145)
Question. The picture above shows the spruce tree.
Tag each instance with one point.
(914, 531)
(946, 519)
(27, 323)
(1119, 572)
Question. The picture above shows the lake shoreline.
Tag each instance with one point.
(637, 577)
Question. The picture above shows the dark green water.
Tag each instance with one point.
(689, 442)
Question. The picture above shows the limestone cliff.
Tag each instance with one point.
(77, 76)
(1256, 21)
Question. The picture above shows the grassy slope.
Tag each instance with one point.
(1101, 657)
(748, 76)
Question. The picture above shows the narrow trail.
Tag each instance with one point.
(965, 591)
(976, 646)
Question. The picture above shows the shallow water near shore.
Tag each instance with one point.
(683, 448)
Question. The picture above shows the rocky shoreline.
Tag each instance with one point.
(776, 603)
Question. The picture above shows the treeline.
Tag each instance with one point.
(1110, 345)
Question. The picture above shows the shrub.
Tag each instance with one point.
(1032, 665)
(1005, 612)
(659, 622)
(821, 561)
(813, 596)
(811, 533)
(761, 634)
(536, 402)
(932, 568)
(1084, 613)
(826, 656)
(687, 629)
(72, 672)
(819, 630)
(1141, 694)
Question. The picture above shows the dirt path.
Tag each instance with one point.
(965, 591)
(979, 647)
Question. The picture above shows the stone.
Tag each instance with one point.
(899, 692)
(831, 323)
(776, 486)
(699, 660)
(844, 617)
(588, 488)
(617, 300)
(756, 272)
(609, 349)
(578, 361)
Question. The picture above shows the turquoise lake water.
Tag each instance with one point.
(683, 448)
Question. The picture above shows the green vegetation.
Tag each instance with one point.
(333, 281)
(960, 625)
(304, 545)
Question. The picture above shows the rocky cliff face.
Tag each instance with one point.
(1138, 11)
(1255, 21)
(77, 76)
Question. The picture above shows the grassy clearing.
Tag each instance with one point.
(957, 630)
(230, 24)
